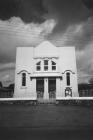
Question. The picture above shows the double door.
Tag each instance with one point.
(46, 88)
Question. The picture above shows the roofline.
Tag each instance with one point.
(25, 46)
(37, 46)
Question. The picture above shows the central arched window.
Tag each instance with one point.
(45, 65)
(53, 65)
(38, 66)
(23, 79)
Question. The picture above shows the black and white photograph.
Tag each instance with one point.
(46, 69)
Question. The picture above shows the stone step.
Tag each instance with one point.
(45, 101)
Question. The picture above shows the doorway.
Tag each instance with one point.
(40, 88)
(52, 88)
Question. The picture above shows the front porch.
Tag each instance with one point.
(46, 88)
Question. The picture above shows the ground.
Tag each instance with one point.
(46, 121)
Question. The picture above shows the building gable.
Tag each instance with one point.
(46, 49)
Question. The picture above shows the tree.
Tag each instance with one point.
(91, 81)
(11, 87)
(84, 86)
(1, 85)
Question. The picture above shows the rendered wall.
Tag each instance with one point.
(24, 63)
(67, 61)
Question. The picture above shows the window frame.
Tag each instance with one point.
(38, 66)
(53, 65)
(46, 65)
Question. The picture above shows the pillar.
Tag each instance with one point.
(58, 92)
(33, 89)
(46, 94)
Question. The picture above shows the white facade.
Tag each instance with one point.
(46, 72)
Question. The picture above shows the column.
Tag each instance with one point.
(33, 89)
(46, 94)
(58, 92)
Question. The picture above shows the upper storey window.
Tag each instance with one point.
(53, 66)
(45, 65)
(68, 78)
(23, 79)
(38, 66)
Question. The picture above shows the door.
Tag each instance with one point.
(52, 88)
(40, 87)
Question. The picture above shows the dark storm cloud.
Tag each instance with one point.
(88, 3)
(68, 12)
(67, 21)
(28, 10)
(82, 37)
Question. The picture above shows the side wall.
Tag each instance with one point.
(24, 64)
(67, 63)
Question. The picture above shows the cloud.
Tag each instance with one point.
(78, 35)
(85, 63)
(7, 73)
(63, 22)
(88, 3)
(81, 36)
(15, 32)
(67, 12)
(7, 66)
(7, 77)
(28, 10)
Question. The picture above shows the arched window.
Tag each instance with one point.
(38, 66)
(53, 65)
(23, 79)
(68, 78)
(45, 65)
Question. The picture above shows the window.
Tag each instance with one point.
(68, 78)
(53, 65)
(23, 79)
(38, 66)
(45, 65)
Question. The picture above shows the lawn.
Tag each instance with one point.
(46, 121)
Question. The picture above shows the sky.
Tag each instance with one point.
(62, 22)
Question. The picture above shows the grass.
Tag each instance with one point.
(46, 121)
(45, 115)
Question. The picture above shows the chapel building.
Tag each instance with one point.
(45, 72)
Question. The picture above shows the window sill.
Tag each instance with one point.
(46, 71)
(23, 87)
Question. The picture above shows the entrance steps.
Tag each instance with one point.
(46, 101)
